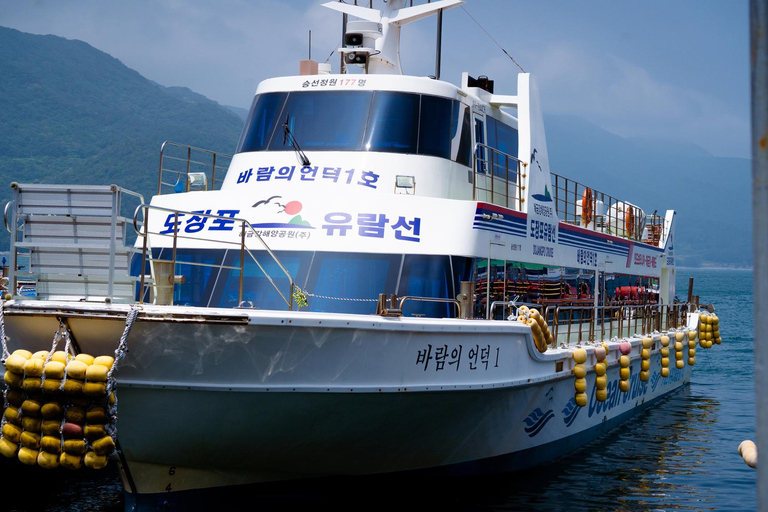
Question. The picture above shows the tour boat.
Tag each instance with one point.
(385, 278)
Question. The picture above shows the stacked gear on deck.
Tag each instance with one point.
(60, 409)
(542, 337)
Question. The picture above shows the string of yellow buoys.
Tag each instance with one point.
(58, 410)
(707, 332)
(542, 337)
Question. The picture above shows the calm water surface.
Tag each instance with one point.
(679, 455)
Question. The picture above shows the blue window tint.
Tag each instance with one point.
(427, 276)
(256, 285)
(393, 123)
(351, 276)
(462, 134)
(261, 121)
(435, 127)
(325, 121)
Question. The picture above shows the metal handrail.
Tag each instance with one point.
(490, 167)
(245, 227)
(431, 299)
(211, 166)
(621, 320)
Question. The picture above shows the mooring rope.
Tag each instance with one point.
(6, 354)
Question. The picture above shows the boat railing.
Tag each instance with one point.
(162, 275)
(583, 206)
(184, 168)
(431, 299)
(572, 324)
(496, 177)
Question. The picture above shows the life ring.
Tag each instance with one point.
(629, 220)
(587, 205)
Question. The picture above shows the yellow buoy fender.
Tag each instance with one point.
(665, 372)
(14, 380)
(31, 424)
(48, 460)
(30, 440)
(59, 356)
(96, 414)
(95, 461)
(8, 448)
(86, 358)
(624, 386)
(73, 386)
(580, 371)
(580, 355)
(15, 397)
(15, 363)
(98, 373)
(679, 336)
(52, 410)
(581, 399)
(52, 386)
(624, 373)
(28, 456)
(76, 369)
(54, 370)
(32, 408)
(41, 354)
(75, 414)
(33, 367)
(645, 375)
(95, 389)
(601, 382)
(106, 361)
(601, 395)
(93, 432)
(50, 427)
(580, 385)
(70, 461)
(51, 444)
(12, 415)
(31, 384)
(74, 446)
(645, 365)
(11, 432)
(104, 446)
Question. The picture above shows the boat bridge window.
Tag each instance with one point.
(384, 121)
(505, 139)
(335, 282)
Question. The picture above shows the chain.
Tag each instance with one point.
(338, 298)
(6, 354)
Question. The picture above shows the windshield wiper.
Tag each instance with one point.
(288, 135)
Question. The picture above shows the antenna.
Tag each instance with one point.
(310, 45)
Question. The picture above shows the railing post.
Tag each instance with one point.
(189, 160)
(144, 255)
(242, 261)
(213, 174)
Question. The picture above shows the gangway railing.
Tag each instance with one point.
(184, 168)
(497, 177)
(247, 232)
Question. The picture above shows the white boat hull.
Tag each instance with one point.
(218, 398)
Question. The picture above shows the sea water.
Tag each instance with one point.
(680, 454)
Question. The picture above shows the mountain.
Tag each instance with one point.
(70, 113)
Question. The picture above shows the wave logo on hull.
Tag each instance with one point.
(291, 208)
(536, 421)
(546, 197)
(570, 412)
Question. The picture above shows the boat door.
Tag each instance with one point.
(482, 165)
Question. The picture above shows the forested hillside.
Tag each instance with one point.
(70, 113)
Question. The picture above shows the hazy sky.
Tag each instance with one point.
(677, 70)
